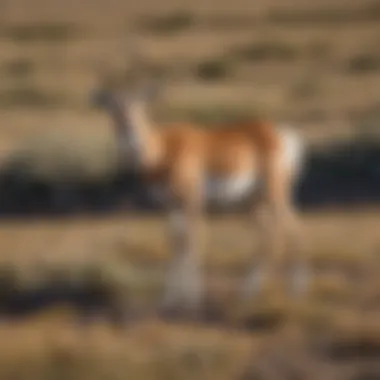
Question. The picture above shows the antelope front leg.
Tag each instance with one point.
(183, 285)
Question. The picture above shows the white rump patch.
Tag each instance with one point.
(293, 148)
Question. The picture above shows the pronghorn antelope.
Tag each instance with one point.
(189, 167)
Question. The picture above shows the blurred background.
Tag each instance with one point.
(82, 249)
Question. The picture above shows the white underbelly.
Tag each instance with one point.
(217, 189)
(229, 190)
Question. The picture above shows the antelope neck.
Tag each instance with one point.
(142, 138)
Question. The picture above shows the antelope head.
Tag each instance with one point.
(127, 107)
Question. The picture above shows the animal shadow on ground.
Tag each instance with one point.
(92, 300)
(342, 174)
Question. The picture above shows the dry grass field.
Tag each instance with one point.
(119, 260)
(313, 64)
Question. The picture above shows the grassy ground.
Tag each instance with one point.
(315, 65)
(331, 332)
